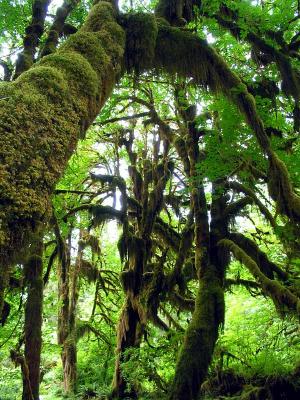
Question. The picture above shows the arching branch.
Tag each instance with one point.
(281, 296)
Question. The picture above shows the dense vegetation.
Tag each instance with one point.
(149, 199)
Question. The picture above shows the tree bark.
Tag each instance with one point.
(200, 338)
(208, 316)
(33, 323)
(128, 337)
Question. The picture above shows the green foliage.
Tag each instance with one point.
(152, 365)
(143, 124)
(262, 342)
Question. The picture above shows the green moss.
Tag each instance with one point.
(200, 338)
(114, 48)
(117, 33)
(102, 12)
(78, 72)
(281, 190)
(88, 45)
(141, 33)
(43, 114)
(282, 297)
(47, 79)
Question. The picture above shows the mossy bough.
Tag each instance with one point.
(43, 114)
(282, 297)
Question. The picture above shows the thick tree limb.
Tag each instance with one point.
(281, 296)
(250, 247)
(36, 142)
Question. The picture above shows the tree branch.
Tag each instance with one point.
(31, 40)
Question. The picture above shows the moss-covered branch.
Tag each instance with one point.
(238, 187)
(250, 247)
(282, 297)
(182, 52)
(33, 33)
(233, 209)
(43, 114)
(58, 26)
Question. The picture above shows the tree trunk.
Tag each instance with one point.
(4, 280)
(68, 295)
(202, 333)
(33, 324)
(200, 338)
(43, 114)
(69, 362)
(128, 336)
(63, 270)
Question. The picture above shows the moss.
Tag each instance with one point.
(88, 45)
(112, 47)
(47, 79)
(43, 114)
(89, 271)
(183, 53)
(141, 33)
(32, 125)
(254, 393)
(33, 273)
(282, 297)
(200, 338)
(77, 70)
(51, 43)
(281, 190)
(102, 12)
(128, 280)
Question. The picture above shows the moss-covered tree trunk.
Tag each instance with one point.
(69, 351)
(200, 338)
(69, 362)
(33, 324)
(128, 336)
(43, 114)
(202, 333)
(135, 313)
(63, 269)
(68, 275)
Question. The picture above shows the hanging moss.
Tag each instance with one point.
(128, 336)
(183, 53)
(122, 247)
(141, 33)
(281, 190)
(91, 241)
(128, 280)
(89, 271)
(102, 214)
